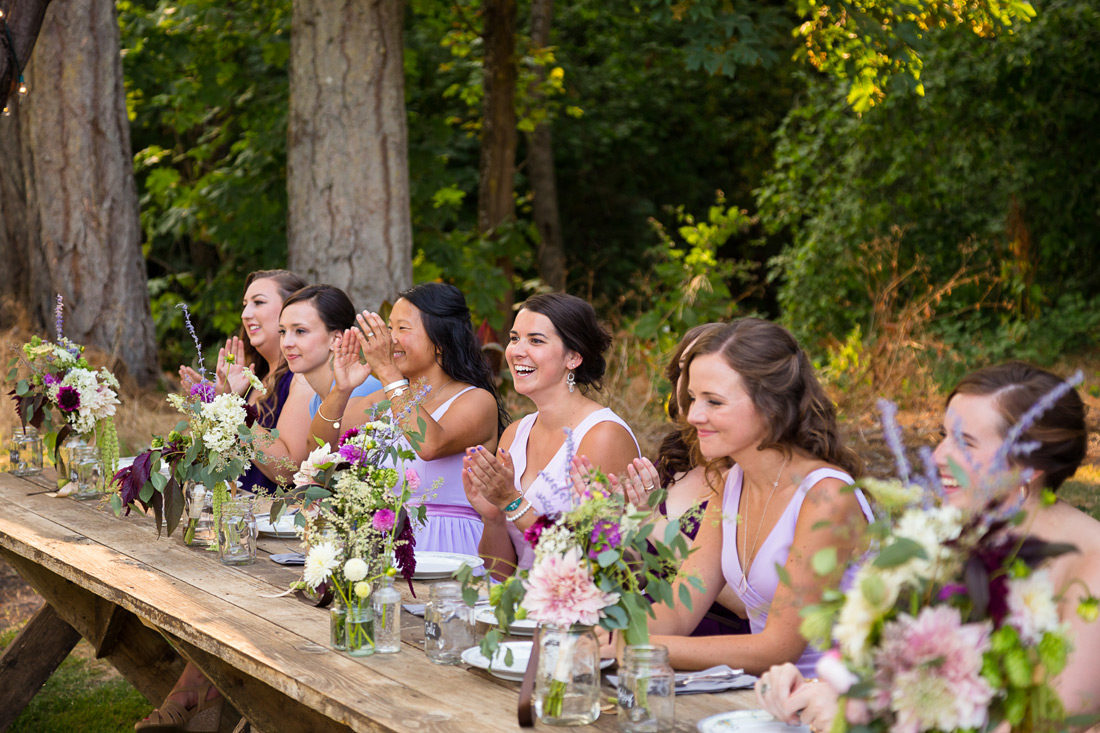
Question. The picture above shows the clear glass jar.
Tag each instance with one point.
(237, 533)
(85, 472)
(448, 623)
(567, 682)
(337, 616)
(359, 629)
(25, 451)
(64, 461)
(198, 516)
(387, 617)
(647, 690)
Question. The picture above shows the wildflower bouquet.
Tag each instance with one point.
(213, 445)
(61, 379)
(950, 622)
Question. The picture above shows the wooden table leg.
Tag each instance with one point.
(40, 647)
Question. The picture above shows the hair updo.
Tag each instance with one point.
(1060, 431)
(580, 331)
(333, 305)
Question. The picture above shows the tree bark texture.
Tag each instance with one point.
(82, 236)
(349, 223)
(550, 257)
(24, 20)
(496, 171)
(18, 236)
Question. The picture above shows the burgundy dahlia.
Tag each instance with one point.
(68, 399)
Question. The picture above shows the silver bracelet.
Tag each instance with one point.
(398, 383)
(512, 519)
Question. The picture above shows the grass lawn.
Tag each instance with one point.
(84, 694)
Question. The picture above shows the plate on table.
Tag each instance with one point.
(756, 721)
(440, 565)
(283, 529)
(518, 627)
(521, 654)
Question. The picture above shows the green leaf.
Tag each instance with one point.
(672, 531)
(824, 561)
(607, 557)
(784, 576)
(685, 597)
(158, 480)
(899, 552)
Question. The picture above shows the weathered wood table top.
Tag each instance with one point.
(127, 591)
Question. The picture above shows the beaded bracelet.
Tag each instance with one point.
(514, 517)
(515, 504)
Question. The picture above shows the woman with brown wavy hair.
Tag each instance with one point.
(752, 397)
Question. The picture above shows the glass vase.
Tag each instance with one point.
(64, 467)
(386, 601)
(25, 451)
(85, 472)
(448, 623)
(338, 633)
(647, 690)
(359, 629)
(198, 515)
(237, 533)
(567, 682)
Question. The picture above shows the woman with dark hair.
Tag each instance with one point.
(981, 410)
(556, 353)
(753, 398)
(430, 341)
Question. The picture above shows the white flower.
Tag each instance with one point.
(626, 523)
(929, 528)
(871, 596)
(362, 589)
(255, 381)
(355, 569)
(223, 417)
(310, 467)
(321, 560)
(556, 540)
(1032, 609)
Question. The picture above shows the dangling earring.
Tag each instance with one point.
(571, 381)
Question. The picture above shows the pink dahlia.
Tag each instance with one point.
(561, 591)
(383, 520)
(929, 672)
(412, 478)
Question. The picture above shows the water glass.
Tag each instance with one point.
(237, 533)
(25, 451)
(85, 472)
(647, 690)
(448, 623)
(198, 515)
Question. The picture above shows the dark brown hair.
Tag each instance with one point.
(783, 387)
(576, 323)
(1060, 431)
(287, 282)
(679, 449)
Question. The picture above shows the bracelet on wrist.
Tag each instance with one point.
(335, 423)
(398, 383)
(514, 505)
(512, 518)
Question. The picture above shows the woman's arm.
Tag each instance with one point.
(1078, 685)
(479, 481)
(347, 373)
(293, 427)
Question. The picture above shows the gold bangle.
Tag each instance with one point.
(335, 423)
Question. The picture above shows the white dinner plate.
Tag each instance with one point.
(521, 654)
(283, 529)
(519, 627)
(440, 565)
(756, 721)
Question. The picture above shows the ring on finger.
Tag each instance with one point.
(370, 334)
(764, 687)
(648, 488)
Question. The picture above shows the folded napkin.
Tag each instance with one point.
(715, 679)
(416, 609)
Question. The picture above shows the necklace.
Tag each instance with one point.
(759, 525)
(433, 393)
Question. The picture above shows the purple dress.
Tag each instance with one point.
(254, 479)
(758, 590)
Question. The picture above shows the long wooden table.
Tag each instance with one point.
(146, 604)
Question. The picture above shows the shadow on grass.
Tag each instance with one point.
(82, 695)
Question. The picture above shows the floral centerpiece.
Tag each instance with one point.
(950, 622)
(61, 380)
(212, 446)
(358, 524)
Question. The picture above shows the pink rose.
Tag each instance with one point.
(412, 478)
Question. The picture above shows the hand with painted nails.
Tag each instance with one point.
(471, 484)
(493, 477)
(638, 485)
(229, 373)
(377, 345)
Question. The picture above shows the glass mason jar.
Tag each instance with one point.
(567, 682)
(198, 515)
(359, 629)
(448, 623)
(25, 451)
(386, 601)
(85, 472)
(237, 533)
(64, 461)
(337, 616)
(647, 690)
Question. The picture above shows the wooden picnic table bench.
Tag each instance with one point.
(147, 605)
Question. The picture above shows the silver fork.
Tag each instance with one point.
(710, 676)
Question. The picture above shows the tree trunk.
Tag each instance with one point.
(540, 167)
(18, 236)
(83, 237)
(496, 172)
(24, 20)
(347, 149)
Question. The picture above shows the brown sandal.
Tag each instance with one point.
(205, 717)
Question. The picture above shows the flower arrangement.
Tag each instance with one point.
(214, 444)
(61, 379)
(950, 622)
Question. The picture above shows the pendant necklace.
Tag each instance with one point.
(759, 525)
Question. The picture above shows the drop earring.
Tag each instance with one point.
(571, 381)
